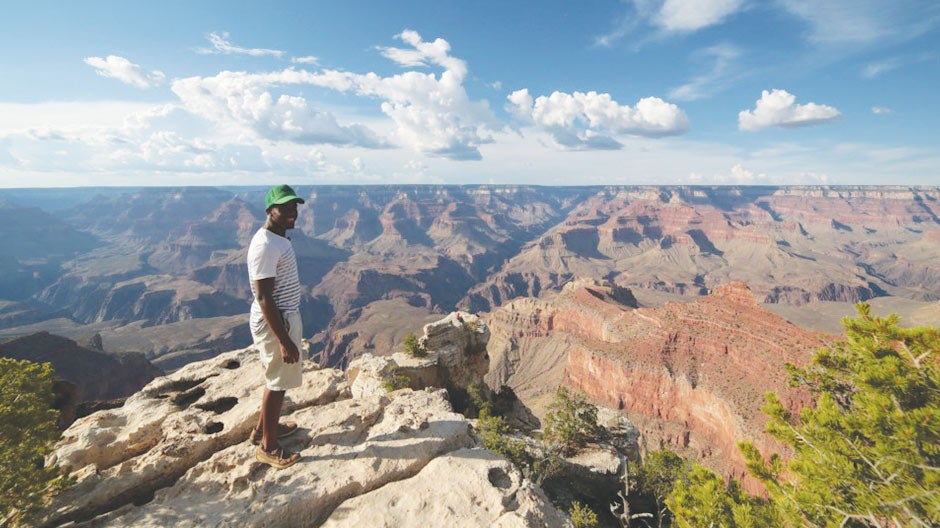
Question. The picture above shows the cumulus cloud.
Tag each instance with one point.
(587, 120)
(222, 46)
(424, 53)
(880, 110)
(125, 71)
(238, 99)
(779, 108)
(432, 114)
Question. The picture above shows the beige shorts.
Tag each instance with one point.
(278, 375)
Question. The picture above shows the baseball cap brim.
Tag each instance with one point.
(288, 198)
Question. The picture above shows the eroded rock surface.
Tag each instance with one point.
(454, 357)
(176, 454)
(465, 488)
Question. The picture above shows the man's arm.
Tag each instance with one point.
(272, 316)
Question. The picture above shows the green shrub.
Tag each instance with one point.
(413, 346)
(479, 403)
(547, 463)
(571, 421)
(27, 432)
(646, 486)
(494, 431)
(394, 380)
(472, 325)
(702, 498)
(582, 516)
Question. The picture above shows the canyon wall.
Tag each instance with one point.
(691, 376)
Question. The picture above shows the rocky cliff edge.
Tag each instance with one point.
(176, 453)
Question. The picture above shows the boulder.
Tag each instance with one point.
(454, 357)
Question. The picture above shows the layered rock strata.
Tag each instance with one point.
(692, 377)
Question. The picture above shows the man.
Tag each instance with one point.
(275, 321)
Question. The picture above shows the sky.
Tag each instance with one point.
(596, 92)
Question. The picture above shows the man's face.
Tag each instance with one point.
(284, 215)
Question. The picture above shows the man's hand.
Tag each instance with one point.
(289, 352)
(264, 289)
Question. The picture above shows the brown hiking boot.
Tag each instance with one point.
(284, 429)
(279, 458)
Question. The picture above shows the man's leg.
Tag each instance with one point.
(271, 404)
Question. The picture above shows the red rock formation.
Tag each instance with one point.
(692, 377)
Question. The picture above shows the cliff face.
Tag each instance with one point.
(176, 454)
(692, 376)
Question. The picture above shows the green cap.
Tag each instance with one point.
(280, 194)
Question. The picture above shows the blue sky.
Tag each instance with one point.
(777, 92)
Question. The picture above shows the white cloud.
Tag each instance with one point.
(722, 59)
(21, 117)
(692, 15)
(125, 71)
(865, 21)
(876, 69)
(670, 17)
(310, 59)
(242, 101)
(587, 120)
(221, 45)
(431, 114)
(424, 53)
(125, 138)
(879, 68)
(779, 108)
(880, 110)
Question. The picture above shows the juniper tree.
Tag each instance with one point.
(571, 421)
(868, 453)
(27, 431)
(703, 499)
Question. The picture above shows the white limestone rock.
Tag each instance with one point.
(458, 341)
(465, 488)
(123, 455)
(455, 358)
(176, 453)
(367, 374)
(349, 447)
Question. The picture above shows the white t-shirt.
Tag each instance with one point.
(271, 255)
